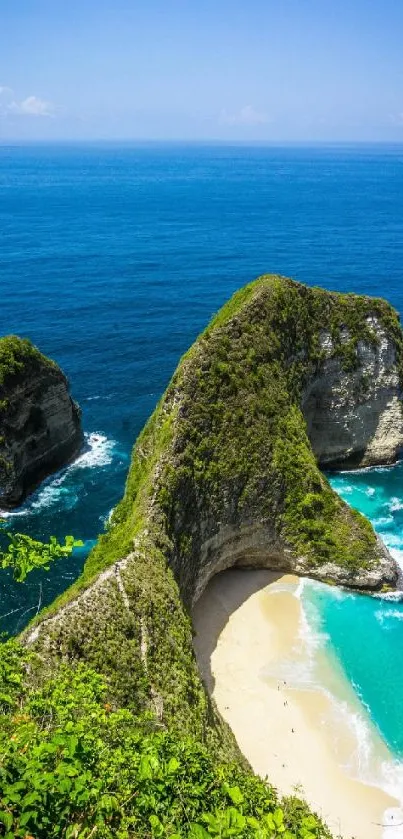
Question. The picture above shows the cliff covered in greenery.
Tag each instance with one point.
(105, 695)
(40, 426)
(225, 473)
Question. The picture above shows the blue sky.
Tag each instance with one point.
(201, 69)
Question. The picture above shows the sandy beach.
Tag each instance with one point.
(245, 624)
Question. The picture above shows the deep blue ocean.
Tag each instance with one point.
(113, 258)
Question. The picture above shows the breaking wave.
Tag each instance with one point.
(63, 488)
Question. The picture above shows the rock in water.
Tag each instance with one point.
(40, 424)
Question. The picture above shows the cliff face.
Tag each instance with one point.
(354, 416)
(40, 427)
(224, 474)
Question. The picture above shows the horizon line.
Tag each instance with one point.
(195, 141)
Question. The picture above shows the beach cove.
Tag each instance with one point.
(256, 661)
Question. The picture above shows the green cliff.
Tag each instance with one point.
(226, 472)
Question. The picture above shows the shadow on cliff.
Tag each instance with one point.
(225, 593)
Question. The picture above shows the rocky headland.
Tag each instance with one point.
(226, 473)
(40, 424)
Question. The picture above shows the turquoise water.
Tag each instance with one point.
(113, 258)
(365, 632)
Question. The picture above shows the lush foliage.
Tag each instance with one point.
(23, 553)
(16, 354)
(74, 765)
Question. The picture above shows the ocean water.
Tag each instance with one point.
(113, 258)
(365, 634)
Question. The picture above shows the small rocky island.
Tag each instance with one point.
(40, 424)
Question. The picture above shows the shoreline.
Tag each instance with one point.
(247, 628)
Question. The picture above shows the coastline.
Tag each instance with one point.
(247, 627)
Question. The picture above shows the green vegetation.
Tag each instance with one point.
(73, 765)
(16, 355)
(141, 644)
(23, 553)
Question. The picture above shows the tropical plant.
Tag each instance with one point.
(73, 765)
(23, 553)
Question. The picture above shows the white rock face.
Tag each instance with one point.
(356, 418)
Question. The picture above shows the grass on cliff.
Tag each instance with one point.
(17, 355)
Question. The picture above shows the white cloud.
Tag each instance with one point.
(32, 106)
(397, 119)
(5, 91)
(248, 115)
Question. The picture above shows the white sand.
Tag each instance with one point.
(243, 625)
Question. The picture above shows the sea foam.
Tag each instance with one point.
(395, 505)
(98, 452)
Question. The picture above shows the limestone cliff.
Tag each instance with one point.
(354, 415)
(40, 427)
(226, 473)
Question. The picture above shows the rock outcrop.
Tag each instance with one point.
(226, 473)
(354, 416)
(40, 425)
